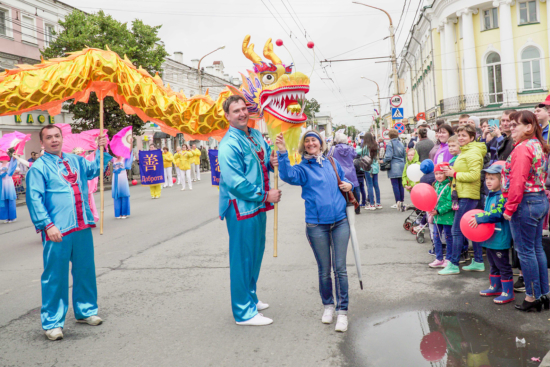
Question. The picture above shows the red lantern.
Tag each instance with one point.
(134, 182)
(310, 44)
(279, 42)
(481, 233)
(424, 197)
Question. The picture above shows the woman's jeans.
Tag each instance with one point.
(526, 225)
(398, 189)
(372, 186)
(441, 230)
(356, 193)
(363, 200)
(330, 245)
(464, 205)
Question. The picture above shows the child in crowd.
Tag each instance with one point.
(443, 217)
(498, 246)
(427, 168)
(412, 158)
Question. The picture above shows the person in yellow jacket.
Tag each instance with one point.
(183, 164)
(176, 164)
(168, 160)
(196, 163)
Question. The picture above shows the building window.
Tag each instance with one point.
(48, 37)
(530, 58)
(490, 18)
(3, 15)
(494, 74)
(28, 29)
(528, 12)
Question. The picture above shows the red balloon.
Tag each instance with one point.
(310, 44)
(279, 42)
(433, 346)
(134, 182)
(481, 233)
(424, 197)
(173, 180)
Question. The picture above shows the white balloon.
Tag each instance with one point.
(414, 173)
(431, 135)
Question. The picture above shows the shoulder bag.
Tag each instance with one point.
(350, 198)
(363, 162)
(387, 166)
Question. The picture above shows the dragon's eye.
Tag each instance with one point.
(268, 79)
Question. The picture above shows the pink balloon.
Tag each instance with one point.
(173, 180)
(481, 233)
(134, 182)
(424, 197)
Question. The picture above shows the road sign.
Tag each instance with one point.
(399, 127)
(397, 113)
(386, 134)
(396, 101)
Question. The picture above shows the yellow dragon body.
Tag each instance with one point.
(272, 92)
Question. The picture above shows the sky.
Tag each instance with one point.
(338, 28)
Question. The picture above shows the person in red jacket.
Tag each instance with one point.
(527, 205)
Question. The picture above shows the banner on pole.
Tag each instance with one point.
(151, 167)
(214, 166)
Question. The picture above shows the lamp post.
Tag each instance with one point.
(392, 37)
(375, 128)
(199, 67)
(379, 108)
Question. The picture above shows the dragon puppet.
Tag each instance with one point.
(274, 93)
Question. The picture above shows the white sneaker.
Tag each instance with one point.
(123, 217)
(260, 306)
(378, 206)
(258, 320)
(183, 189)
(11, 221)
(92, 320)
(190, 188)
(394, 206)
(341, 323)
(55, 334)
(328, 315)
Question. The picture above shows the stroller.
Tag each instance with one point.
(415, 217)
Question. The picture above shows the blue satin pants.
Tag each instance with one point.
(246, 251)
(8, 210)
(122, 207)
(77, 248)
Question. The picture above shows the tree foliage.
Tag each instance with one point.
(140, 43)
(350, 131)
(312, 107)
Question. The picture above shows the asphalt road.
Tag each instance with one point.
(163, 282)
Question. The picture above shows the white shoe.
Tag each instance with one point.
(258, 320)
(260, 306)
(123, 217)
(92, 320)
(55, 334)
(190, 188)
(328, 315)
(341, 323)
(183, 189)
(394, 206)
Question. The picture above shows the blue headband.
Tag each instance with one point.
(315, 135)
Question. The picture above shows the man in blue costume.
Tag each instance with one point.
(57, 199)
(245, 196)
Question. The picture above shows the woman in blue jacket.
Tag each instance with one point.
(395, 154)
(327, 226)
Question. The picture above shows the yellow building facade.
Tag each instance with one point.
(477, 58)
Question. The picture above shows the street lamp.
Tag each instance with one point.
(199, 67)
(392, 37)
(379, 108)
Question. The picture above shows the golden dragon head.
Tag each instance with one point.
(272, 88)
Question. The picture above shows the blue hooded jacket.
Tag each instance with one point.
(494, 210)
(324, 201)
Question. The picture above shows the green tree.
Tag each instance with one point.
(140, 43)
(350, 131)
(311, 108)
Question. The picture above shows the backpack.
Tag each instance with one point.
(363, 162)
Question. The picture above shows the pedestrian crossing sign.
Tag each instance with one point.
(397, 113)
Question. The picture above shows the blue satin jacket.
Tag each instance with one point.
(244, 173)
(7, 188)
(51, 199)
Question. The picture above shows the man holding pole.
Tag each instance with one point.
(57, 199)
(245, 196)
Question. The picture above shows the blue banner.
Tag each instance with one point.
(151, 168)
(214, 166)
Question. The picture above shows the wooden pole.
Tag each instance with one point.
(276, 214)
(101, 173)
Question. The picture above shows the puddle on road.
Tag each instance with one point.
(442, 339)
